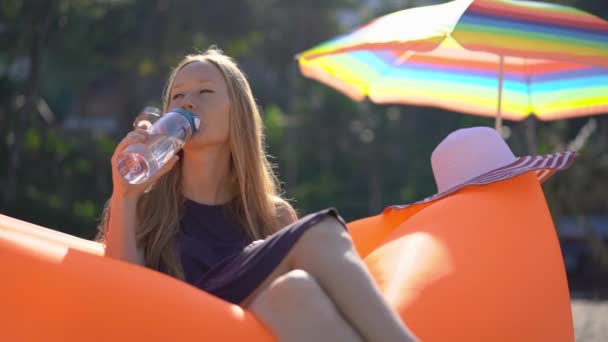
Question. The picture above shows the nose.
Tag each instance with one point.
(188, 103)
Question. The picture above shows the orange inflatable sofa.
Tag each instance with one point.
(482, 264)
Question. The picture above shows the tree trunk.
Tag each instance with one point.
(289, 149)
(40, 16)
(531, 135)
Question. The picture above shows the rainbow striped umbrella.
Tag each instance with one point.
(495, 58)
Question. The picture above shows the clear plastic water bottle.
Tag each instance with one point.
(167, 135)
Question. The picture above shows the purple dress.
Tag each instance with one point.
(218, 257)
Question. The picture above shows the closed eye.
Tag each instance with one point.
(202, 91)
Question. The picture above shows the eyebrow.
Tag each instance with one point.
(179, 85)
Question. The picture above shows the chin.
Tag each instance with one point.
(200, 142)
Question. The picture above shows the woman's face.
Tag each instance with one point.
(200, 88)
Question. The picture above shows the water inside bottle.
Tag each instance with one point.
(133, 167)
(163, 147)
(139, 162)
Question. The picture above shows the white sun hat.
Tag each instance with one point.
(479, 156)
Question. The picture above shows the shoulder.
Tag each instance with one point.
(284, 212)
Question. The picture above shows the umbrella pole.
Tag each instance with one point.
(498, 123)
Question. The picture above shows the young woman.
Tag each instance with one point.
(213, 217)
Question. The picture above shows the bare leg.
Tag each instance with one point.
(296, 309)
(327, 253)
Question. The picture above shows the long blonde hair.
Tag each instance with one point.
(160, 208)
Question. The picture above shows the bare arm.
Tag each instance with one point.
(120, 233)
(285, 213)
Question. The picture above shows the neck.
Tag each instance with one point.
(206, 175)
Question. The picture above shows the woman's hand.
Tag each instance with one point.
(122, 188)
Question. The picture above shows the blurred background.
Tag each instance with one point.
(74, 73)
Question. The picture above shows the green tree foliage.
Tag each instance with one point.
(93, 59)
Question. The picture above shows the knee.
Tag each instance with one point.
(294, 304)
(328, 234)
(295, 294)
(291, 291)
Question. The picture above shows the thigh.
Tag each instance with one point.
(295, 308)
(280, 270)
(316, 236)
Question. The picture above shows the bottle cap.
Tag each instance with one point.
(194, 121)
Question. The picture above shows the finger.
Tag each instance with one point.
(169, 165)
(126, 142)
(141, 131)
(130, 139)
(137, 134)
